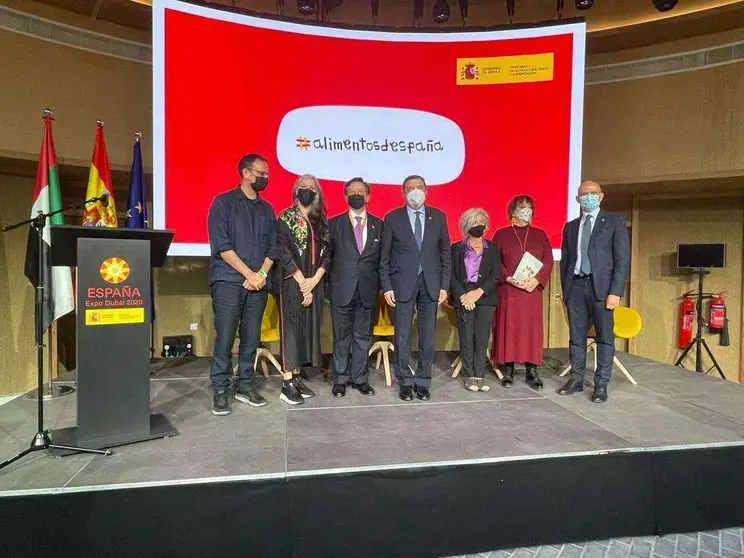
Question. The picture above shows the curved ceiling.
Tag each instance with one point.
(613, 24)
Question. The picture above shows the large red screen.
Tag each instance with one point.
(482, 116)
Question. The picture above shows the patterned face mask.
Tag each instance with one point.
(524, 214)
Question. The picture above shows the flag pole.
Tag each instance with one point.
(137, 138)
(51, 391)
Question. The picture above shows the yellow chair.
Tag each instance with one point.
(383, 328)
(269, 334)
(628, 324)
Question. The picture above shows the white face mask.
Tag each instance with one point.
(415, 198)
(524, 214)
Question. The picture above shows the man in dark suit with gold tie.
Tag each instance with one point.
(355, 237)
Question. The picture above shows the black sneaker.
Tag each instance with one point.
(291, 394)
(252, 397)
(220, 404)
(305, 391)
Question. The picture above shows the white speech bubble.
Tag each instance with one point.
(383, 145)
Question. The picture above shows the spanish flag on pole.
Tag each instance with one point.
(100, 214)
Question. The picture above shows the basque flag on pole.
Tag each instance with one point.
(137, 204)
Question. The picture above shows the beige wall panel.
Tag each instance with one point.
(664, 224)
(80, 87)
(688, 125)
(17, 352)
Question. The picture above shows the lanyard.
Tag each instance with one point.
(523, 246)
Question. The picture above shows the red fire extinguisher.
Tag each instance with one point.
(717, 318)
(686, 319)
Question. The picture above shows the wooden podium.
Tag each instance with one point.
(113, 305)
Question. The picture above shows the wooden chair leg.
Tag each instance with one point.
(622, 368)
(386, 364)
(457, 365)
(458, 368)
(273, 361)
(379, 359)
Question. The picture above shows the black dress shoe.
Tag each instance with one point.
(406, 393)
(599, 395)
(422, 393)
(508, 380)
(572, 386)
(339, 390)
(364, 389)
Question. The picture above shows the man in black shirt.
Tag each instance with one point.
(242, 239)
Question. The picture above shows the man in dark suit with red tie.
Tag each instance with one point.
(355, 237)
(415, 275)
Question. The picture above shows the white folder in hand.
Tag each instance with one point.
(528, 267)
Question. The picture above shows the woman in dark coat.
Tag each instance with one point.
(476, 266)
(518, 333)
(302, 241)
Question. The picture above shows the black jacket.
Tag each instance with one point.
(489, 275)
(400, 256)
(349, 268)
(609, 254)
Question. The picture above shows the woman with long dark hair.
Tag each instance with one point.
(302, 242)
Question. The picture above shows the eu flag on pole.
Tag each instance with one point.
(137, 204)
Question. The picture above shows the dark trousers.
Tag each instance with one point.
(233, 305)
(585, 309)
(352, 333)
(474, 328)
(426, 317)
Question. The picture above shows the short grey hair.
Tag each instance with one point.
(467, 220)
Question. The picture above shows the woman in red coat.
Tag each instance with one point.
(518, 328)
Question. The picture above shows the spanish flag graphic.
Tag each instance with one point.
(100, 213)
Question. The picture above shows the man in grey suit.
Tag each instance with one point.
(594, 267)
(415, 275)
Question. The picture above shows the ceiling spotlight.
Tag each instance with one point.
(441, 11)
(584, 4)
(665, 5)
(306, 7)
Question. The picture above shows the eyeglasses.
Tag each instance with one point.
(259, 173)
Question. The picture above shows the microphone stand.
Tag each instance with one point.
(42, 440)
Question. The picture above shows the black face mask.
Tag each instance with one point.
(260, 183)
(305, 196)
(356, 201)
(477, 231)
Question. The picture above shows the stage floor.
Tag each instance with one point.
(670, 408)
